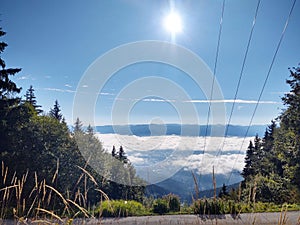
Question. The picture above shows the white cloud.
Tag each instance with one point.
(59, 90)
(24, 78)
(240, 101)
(136, 143)
(68, 85)
(156, 100)
(229, 159)
(106, 93)
(84, 86)
(223, 164)
(136, 160)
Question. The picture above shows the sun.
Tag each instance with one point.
(172, 23)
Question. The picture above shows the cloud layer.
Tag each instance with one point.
(226, 155)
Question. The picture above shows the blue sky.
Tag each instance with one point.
(54, 42)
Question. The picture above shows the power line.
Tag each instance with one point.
(214, 77)
(240, 77)
(239, 81)
(213, 81)
(266, 79)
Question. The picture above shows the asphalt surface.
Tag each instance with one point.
(290, 218)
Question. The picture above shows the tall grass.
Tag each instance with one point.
(43, 200)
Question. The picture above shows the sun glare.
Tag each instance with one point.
(172, 23)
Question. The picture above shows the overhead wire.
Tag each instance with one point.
(239, 82)
(265, 81)
(240, 77)
(213, 80)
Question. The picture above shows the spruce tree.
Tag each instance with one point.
(8, 100)
(90, 129)
(78, 126)
(31, 99)
(7, 87)
(223, 192)
(248, 170)
(122, 155)
(113, 152)
(56, 111)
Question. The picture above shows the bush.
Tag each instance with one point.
(173, 202)
(160, 206)
(120, 208)
(209, 207)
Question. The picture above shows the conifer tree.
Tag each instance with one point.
(7, 87)
(248, 170)
(31, 99)
(113, 152)
(56, 111)
(8, 100)
(90, 130)
(121, 155)
(78, 126)
(223, 192)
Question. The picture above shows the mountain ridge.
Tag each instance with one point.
(182, 130)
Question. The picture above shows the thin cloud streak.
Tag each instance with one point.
(240, 101)
(59, 90)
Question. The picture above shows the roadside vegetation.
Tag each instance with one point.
(46, 167)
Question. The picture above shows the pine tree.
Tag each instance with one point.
(7, 87)
(287, 143)
(122, 155)
(269, 159)
(258, 154)
(90, 130)
(248, 170)
(8, 101)
(56, 111)
(31, 99)
(291, 117)
(113, 152)
(223, 192)
(78, 126)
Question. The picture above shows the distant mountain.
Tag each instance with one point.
(182, 184)
(182, 130)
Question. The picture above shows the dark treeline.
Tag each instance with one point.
(272, 163)
(38, 146)
(44, 164)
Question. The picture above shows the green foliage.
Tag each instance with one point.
(223, 192)
(160, 206)
(42, 146)
(272, 169)
(210, 207)
(173, 202)
(166, 204)
(120, 208)
(56, 111)
(31, 99)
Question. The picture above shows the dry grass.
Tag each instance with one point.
(38, 204)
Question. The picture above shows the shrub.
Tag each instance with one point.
(173, 202)
(160, 206)
(120, 208)
(208, 207)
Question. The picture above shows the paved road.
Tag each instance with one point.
(291, 218)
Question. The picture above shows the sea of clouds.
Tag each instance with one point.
(197, 153)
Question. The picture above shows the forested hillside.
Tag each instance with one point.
(47, 167)
(272, 164)
(40, 155)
